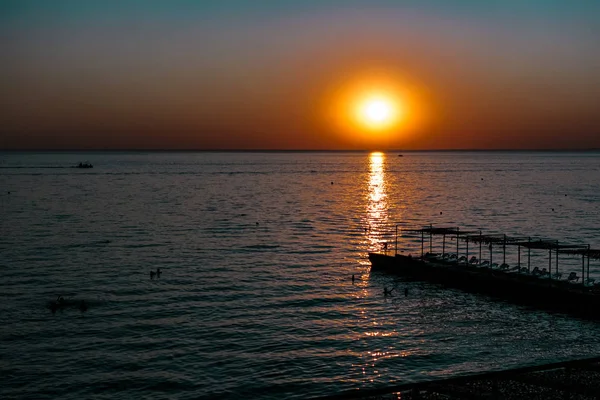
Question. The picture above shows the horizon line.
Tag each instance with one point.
(179, 150)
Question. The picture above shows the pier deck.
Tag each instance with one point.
(519, 283)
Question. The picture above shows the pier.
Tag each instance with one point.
(541, 287)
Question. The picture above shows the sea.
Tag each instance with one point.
(257, 252)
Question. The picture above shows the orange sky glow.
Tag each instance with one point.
(288, 77)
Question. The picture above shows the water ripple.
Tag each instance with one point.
(255, 299)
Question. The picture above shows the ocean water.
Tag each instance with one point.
(257, 252)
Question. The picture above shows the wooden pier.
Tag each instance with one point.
(545, 288)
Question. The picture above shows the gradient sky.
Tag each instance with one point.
(258, 74)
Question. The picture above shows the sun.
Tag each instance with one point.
(376, 108)
(377, 111)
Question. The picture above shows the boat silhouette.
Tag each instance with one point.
(83, 165)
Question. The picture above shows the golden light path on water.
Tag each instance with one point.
(377, 205)
(374, 325)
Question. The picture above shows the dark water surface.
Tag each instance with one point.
(257, 251)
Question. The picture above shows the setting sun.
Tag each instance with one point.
(376, 109)
(377, 112)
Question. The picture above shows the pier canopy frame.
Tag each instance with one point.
(551, 246)
(491, 240)
(437, 231)
(477, 237)
(594, 254)
(584, 252)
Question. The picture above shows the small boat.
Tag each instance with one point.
(83, 165)
(62, 304)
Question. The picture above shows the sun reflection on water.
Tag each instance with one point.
(377, 206)
(373, 358)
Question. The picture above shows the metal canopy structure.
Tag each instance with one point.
(439, 231)
(492, 239)
(548, 245)
(431, 230)
(500, 239)
(586, 252)
(583, 252)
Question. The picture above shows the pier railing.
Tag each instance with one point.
(480, 240)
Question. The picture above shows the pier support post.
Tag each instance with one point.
(588, 264)
(457, 230)
(396, 244)
(557, 259)
(529, 255)
(550, 263)
(422, 244)
(519, 258)
(443, 245)
(430, 238)
(479, 261)
(504, 251)
(583, 265)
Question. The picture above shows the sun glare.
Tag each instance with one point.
(377, 112)
(377, 108)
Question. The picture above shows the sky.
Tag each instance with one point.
(235, 74)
